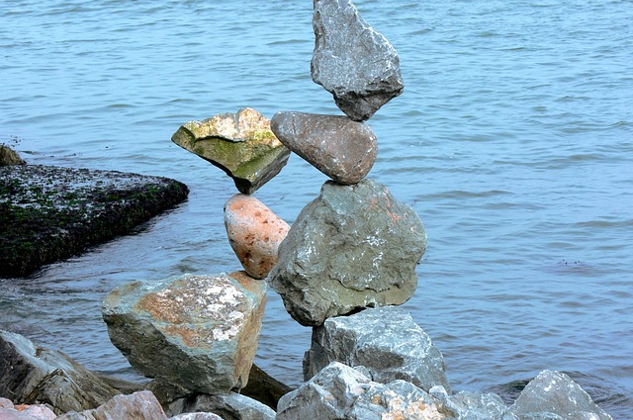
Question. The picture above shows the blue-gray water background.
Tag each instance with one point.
(513, 142)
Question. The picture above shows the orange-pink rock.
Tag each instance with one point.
(254, 233)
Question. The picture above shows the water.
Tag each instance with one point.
(513, 142)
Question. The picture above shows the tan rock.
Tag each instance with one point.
(254, 233)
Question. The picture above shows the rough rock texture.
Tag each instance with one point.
(254, 233)
(196, 416)
(30, 374)
(264, 388)
(556, 393)
(198, 332)
(352, 60)
(386, 341)
(25, 412)
(241, 144)
(339, 392)
(50, 213)
(229, 406)
(342, 149)
(471, 406)
(9, 157)
(352, 247)
(141, 405)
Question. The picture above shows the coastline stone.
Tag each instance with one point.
(352, 60)
(229, 406)
(240, 144)
(141, 405)
(196, 331)
(254, 233)
(352, 247)
(385, 341)
(9, 157)
(342, 149)
(30, 374)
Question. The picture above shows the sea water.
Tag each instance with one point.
(513, 141)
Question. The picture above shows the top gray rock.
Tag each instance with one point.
(352, 60)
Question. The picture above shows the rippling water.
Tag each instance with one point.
(513, 142)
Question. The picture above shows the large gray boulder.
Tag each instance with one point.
(352, 60)
(30, 374)
(196, 331)
(231, 406)
(472, 405)
(386, 341)
(342, 149)
(240, 144)
(352, 247)
(557, 394)
(340, 392)
(141, 405)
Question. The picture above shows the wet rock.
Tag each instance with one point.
(9, 157)
(385, 341)
(254, 233)
(30, 374)
(240, 144)
(557, 394)
(340, 392)
(199, 332)
(264, 388)
(50, 213)
(230, 406)
(141, 405)
(352, 60)
(342, 149)
(352, 247)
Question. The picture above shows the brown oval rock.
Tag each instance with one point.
(254, 233)
(342, 149)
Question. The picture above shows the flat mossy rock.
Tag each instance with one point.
(50, 213)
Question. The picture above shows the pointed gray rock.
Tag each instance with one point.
(342, 149)
(352, 60)
(352, 247)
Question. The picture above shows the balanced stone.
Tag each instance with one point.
(254, 233)
(199, 332)
(352, 60)
(386, 341)
(342, 149)
(352, 247)
(241, 144)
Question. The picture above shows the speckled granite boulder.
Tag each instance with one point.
(386, 341)
(254, 233)
(352, 60)
(352, 247)
(342, 149)
(240, 144)
(199, 332)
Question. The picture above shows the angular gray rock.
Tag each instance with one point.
(33, 412)
(196, 416)
(556, 393)
(240, 144)
(340, 392)
(352, 60)
(472, 406)
(199, 332)
(386, 341)
(342, 149)
(141, 405)
(30, 374)
(228, 406)
(352, 247)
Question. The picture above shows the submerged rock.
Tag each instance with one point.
(352, 60)
(385, 341)
(50, 213)
(254, 233)
(199, 332)
(30, 374)
(352, 247)
(240, 144)
(342, 149)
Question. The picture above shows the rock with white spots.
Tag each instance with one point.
(254, 233)
(196, 331)
(352, 247)
(342, 149)
(385, 341)
(352, 60)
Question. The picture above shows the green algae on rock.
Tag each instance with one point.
(50, 213)
(240, 144)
